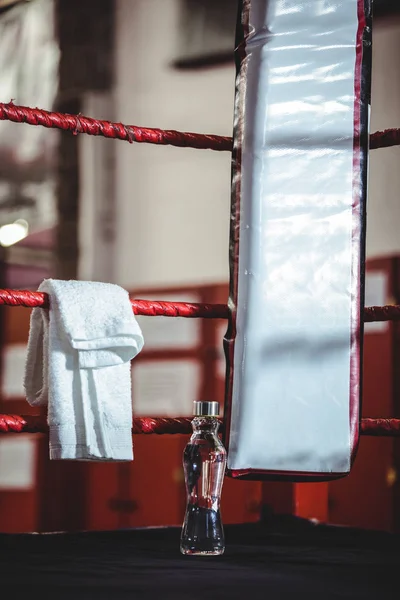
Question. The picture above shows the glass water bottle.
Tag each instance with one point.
(204, 462)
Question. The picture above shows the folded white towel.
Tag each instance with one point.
(78, 363)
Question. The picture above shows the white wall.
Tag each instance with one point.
(172, 205)
(383, 227)
(97, 227)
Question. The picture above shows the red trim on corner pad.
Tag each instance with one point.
(234, 237)
(293, 476)
(355, 358)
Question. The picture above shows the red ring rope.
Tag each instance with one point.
(182, 425)
(149, 308)
(380, 427)
(157, 308)
(144, 425)
(132, 133)
(384, 139)
(381, 313)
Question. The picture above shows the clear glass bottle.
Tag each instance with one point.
(204, 462)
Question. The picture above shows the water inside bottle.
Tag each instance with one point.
(204, 466)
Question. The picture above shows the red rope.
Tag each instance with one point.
(24, 298)
(384, 139)
(144, 425)
(147, 425)
(161, 425)
(381, 427)
(148, 308)
(132, 133)
(24, 424)
(381, 313)
(159, 308)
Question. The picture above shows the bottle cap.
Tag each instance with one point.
(206, 409)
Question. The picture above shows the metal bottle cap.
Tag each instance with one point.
(206, 409)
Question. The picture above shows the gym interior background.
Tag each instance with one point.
(155, 220)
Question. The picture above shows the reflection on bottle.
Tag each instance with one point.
(204, 462)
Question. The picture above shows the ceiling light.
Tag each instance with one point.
(13, 232)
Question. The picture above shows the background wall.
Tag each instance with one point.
(384, 183)
(172, 205)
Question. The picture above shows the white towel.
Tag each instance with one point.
(78, 363)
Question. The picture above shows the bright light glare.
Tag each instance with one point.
(13, 232)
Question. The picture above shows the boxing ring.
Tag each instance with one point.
(278, 558)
